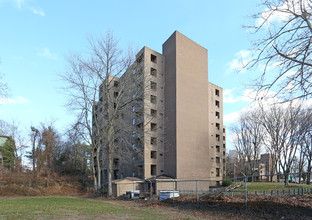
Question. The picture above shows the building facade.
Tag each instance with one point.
(175, 127)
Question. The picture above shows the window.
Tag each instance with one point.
(161, 101)
(115, 94)
(217, 92)
(121, 176)
(153, 99)
(153, 113)
(133, 173)
(133, 134)
(133, 158)
(161, 114)
(153, 140)
(217, 115)
(153, 126)
(133, 108)
(154, 154)
(217, 171)
(217, 137)
(153, 170)
(116, 83)
(139, 58)
(224, 138)
(116, 162)
(223, 130)
(218, 126)
(217, 159)
(223, 145)
(217, 104)
(218, 148)
(211, 147)
(153, 72)
(133, 146)
(223, 161)
(153, 58)
(223, 153)
(133, 121)
(153, 86)
(115, 105)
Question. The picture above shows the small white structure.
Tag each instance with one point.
(133, 194)
(168, 194)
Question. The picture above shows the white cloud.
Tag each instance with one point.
(232, 117)
(242, 58)
(18, 100)
(20, 3)
(281, 12)
(247, 96)
(23, 5)
(228, 96)
(45, 52)
(268, 100)
(38, 11)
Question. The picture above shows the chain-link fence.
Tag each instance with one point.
(196, 191)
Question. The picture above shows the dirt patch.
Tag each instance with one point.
(259, 206)
(25, 184)
(221, 206)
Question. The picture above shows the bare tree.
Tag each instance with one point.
(3, 86)
(272, 120)
(35, 136)
(104, 76)
(285, 33)
(285, 127)
(13, 129)
(249, 135)
(307, 144)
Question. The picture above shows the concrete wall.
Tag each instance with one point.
(186, 108)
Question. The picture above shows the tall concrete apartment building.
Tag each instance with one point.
(181, 128)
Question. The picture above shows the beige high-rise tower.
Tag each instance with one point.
(183, 134)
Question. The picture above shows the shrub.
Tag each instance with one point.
(226, 183)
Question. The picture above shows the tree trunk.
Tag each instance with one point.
(110, 168)
(98, 184)
(286, 179)
(309, 173)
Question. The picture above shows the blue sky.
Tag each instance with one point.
(37, 35)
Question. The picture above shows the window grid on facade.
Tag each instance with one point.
(153, 99)
(153, 72)
(153, 154)
(153, 126)
(217, 104)
(218, 148)
(218, 126)
(217, 115)
(153, 58)
(153, 141)
(153, 86)
(217, 92)
(153, 170)
(154, 113)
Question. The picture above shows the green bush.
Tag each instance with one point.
(226, 183)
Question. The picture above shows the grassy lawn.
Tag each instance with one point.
(261, 186)
(72, 208)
